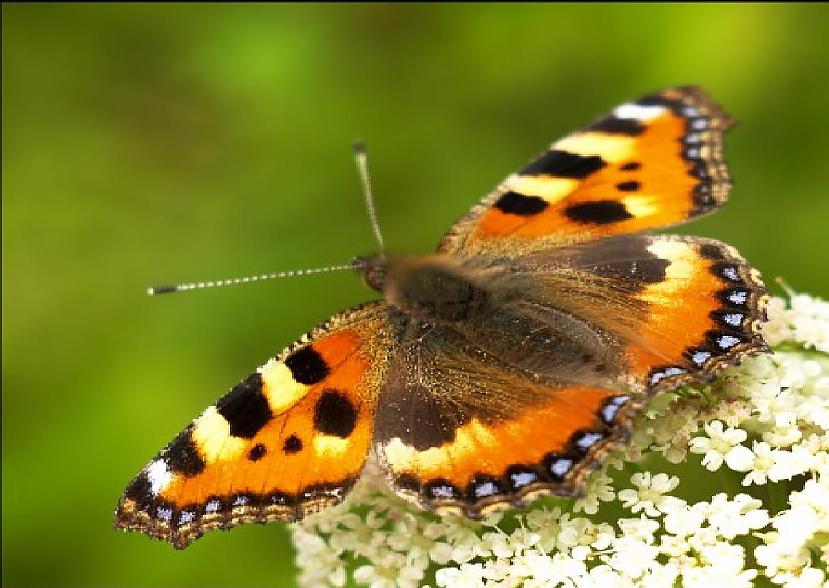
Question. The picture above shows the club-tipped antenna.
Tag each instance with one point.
(361, 159)
(155, 290)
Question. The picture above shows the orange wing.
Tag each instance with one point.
(650, 163)
(705, 314)
(677, 307)
(461, 430)
(486, 464)
(288, 440)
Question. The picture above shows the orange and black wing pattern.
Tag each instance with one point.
(704, 315)
(678, 307)
(459, 431)
(653, 162)
(288, 440)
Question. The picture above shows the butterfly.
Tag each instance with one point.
(503, 367)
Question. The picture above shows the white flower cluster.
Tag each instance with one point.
(725, 484)
(804, 320)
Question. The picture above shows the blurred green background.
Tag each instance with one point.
(146, 144)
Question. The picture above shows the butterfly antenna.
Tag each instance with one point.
(361, 159)
(155, 290)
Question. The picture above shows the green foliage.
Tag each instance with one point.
(155, 143)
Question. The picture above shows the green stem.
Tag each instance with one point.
(777, 497)
(730, 481)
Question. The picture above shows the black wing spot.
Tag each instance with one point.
(618, 126)
(631, 186)
(183, 456)
(307, 366)
(622, 259)
(140, 490)
(245, 407)
(656, 100)
(600, 212)
(257, 452)
(293, 444)
(335, 414)
(515, 203)
(565, 165)
(711, 251)
(408, 481)
(631, 166)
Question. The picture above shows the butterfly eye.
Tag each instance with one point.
(374, 276)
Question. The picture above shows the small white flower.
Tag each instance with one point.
(632, 557)
(783, 435)
(762, 460)
(717, 444)
(737, 516)
(740, 458)
(810, 319)
(388, 571)
(649, 494)
(599, 488)
(682, 519)
(708, 576)
(641, 529)
(604, 575)
(788, 464)
(465, 576)
(779, 558)
(725, 556)
(804, 578)
(777, 329)
(658, 576)
(573, 531)
(603, 536)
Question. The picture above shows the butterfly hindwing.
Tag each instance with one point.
(650, 163)
(458, 431)
(706, 314)
(679, 307)
(288, 440)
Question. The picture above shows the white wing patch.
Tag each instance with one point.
(159, 476)
(637, 112)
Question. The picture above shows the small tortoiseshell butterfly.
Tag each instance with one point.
(503, 367)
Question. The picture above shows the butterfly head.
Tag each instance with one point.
(373, 270)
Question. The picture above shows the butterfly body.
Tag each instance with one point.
(434, 288)
(501, 368)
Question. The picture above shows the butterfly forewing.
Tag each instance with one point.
(288, 440)
(653, 162)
